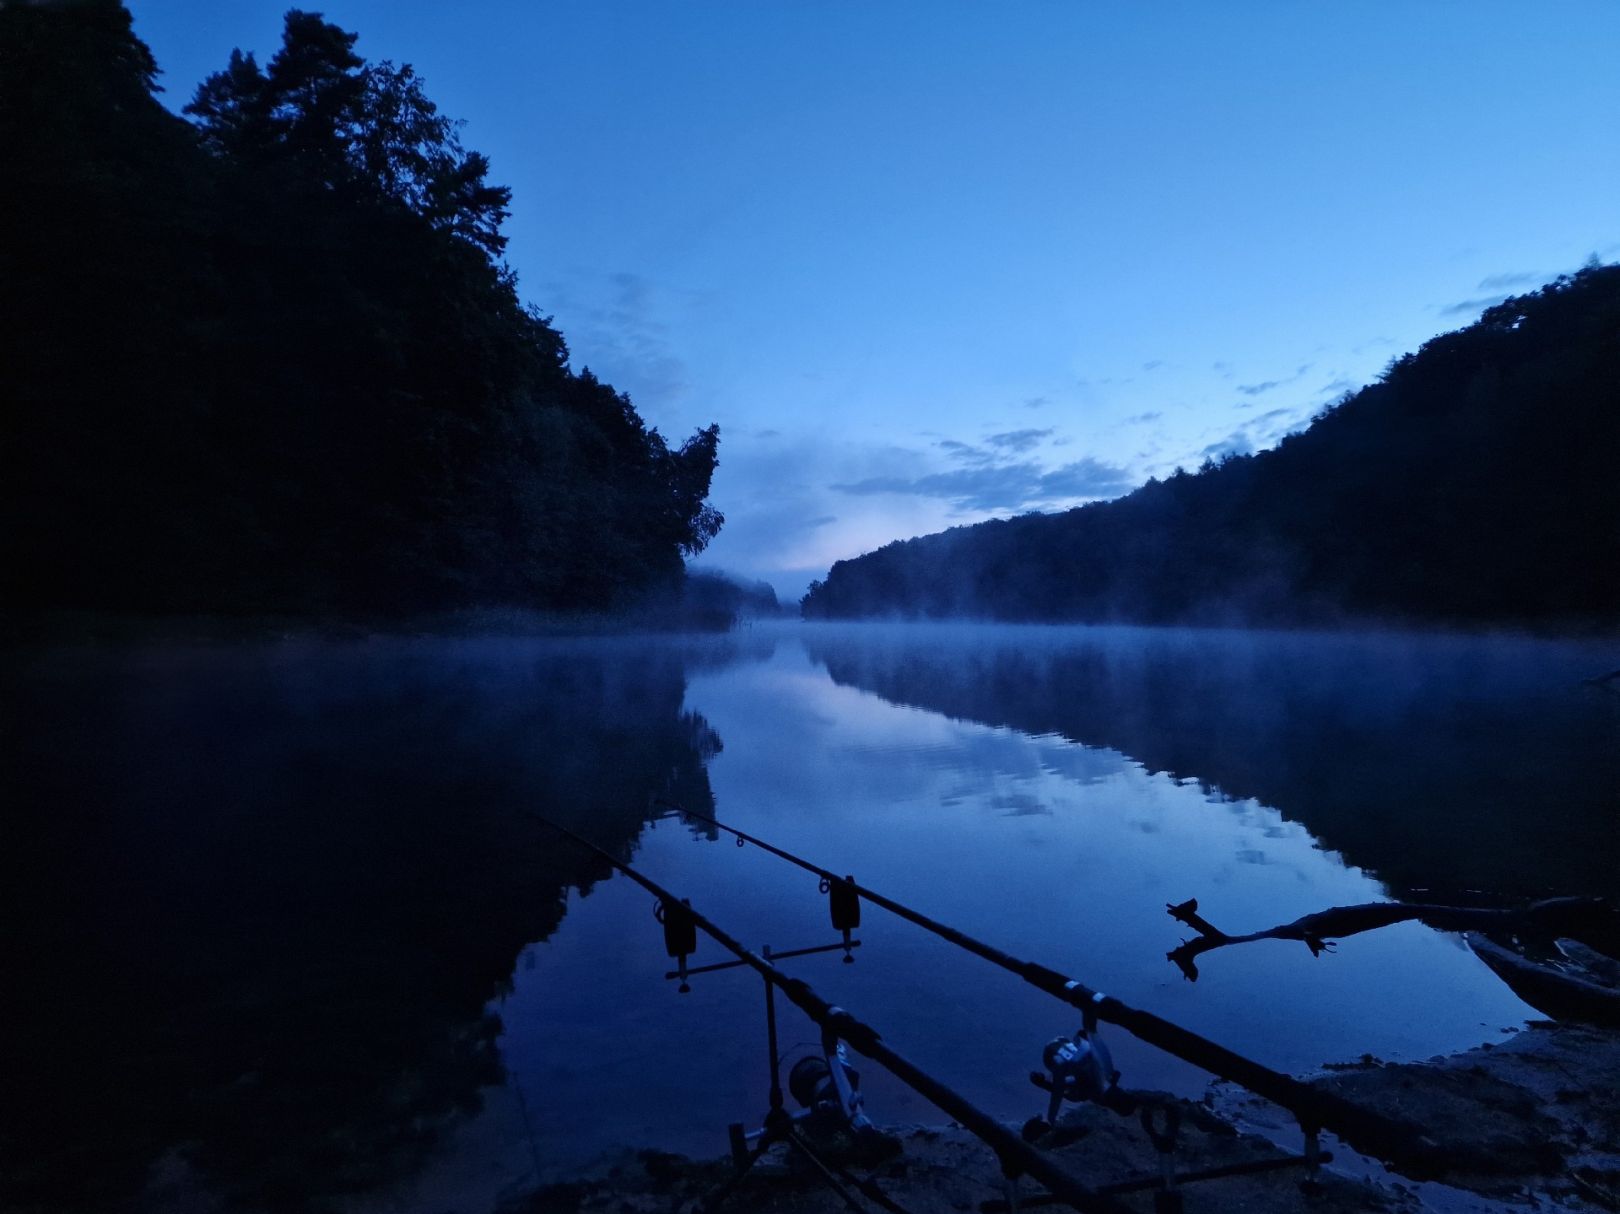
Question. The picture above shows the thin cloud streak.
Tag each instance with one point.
(1500, 282)
(1270, 384)
(1019, 441)
(1472, 307)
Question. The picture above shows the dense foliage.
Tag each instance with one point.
(1474, 483)
(270, 359)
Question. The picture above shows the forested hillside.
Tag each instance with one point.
(1476, 483)
(270, 359)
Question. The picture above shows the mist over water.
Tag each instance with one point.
(314, 950)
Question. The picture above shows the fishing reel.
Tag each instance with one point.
(828, 1088)
(1079, 1070)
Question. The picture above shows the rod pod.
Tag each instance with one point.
(1017, 1157)
(1369, 1132)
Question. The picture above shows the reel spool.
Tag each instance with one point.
(813, 1086)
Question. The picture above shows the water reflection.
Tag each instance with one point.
(1053, 850)
(281, 925)
(1436, 762)
(259, 898)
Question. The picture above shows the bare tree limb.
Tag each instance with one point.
(1549, 917)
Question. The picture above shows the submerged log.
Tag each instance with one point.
(1550, 991)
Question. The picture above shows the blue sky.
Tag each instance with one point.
(933, 263)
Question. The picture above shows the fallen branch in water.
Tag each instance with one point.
(1573, 917)
(1550, 991)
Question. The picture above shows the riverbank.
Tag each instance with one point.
(1532, 1123)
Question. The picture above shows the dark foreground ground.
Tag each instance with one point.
(1531, 1124)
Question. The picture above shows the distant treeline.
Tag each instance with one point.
(1476, 483)
(270, 359)
(719, 598)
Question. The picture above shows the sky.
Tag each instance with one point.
(931, 263)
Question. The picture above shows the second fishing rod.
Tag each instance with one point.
(1367, 1131)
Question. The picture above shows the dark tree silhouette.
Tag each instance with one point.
(270, 359)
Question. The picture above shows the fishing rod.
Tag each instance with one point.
(1017, 1157)
(1367, 1131)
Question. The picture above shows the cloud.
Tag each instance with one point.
(1087, 478)
(1019, 441)
(1020, 805)
(1268, 385)
(1140, 419)
(1373, 343)
(1008, 442)
(1256, 433)
(964, 452)
(1469, 307)
(767, 434)
(1271, 419)
(1017, 486)
(784, 525)
(1035, 402)
(1500, 282)
(613, 329)
(1235, 444)
(1154, 365)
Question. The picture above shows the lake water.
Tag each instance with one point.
(290, 935)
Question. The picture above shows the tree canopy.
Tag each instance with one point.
(270, 358)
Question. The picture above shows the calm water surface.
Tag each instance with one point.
(290, 923)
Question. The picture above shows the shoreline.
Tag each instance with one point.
(23, 627)
(1530, 1123)
(24, 630)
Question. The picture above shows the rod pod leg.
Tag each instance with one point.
(1167, 1197)
(1312, 1184)
(1009, 1184)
